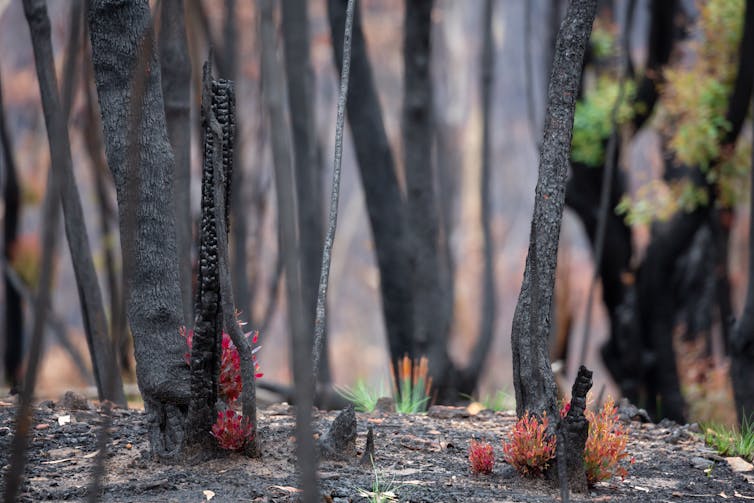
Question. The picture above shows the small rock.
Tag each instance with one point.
(448, 412)
(340, 440)
(46, 404)
(385, 404)
(629, 412)
(701, 463)
(694, 428)
(74, 401)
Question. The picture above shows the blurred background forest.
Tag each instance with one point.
(523, 33)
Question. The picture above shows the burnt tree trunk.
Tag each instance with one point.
(142, 164)
(107, 378)
(533, 379)
(239, 205)
(385, 206)
(742, 337)
(431, 326)
(175, 65)
(285, 183)
(654, 288)
(14, 316)
(308, 171)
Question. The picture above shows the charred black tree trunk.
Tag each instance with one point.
(670, 241)
(431, 326)
(309, 188)
(285, 183)
(141, 160)
(109, 385)
(205, 347)
(573, 432)
(385, 206)
(742, 338)
(239, 206)
(533, 379)
(108, 215)
(623, 351)
(176, 85)
(14, 316)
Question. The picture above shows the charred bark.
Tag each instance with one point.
(533, 380)
(285, 183)
(128, 81)
(309, 188)
(385, 206)
(109, 385)
(14, 316)
(36, 13)
(175, 65)
(430, 326)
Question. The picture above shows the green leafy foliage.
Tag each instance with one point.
(592, 123)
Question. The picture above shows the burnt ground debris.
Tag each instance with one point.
(423, 458)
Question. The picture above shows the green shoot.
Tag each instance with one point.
(731, 441)
(363, 398)
(379, 493)
(412, 386)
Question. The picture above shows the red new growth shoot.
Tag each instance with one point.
(231, 430)
(230, 363)
(481, 457)
(530, 448)
(606, 445)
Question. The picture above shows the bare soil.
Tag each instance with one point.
(419, 457)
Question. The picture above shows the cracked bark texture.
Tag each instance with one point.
(175, 65)
(575, 429)
(205, 348)
(533, 379)
(120, 32)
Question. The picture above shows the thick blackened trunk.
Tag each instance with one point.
(141, 161)
(742, 338)
(308, 171)
(14, 317)
(175, 65)
(654, 293)
(109, 385)
(532, 375)
(385, 205)
(285, 183)
(430, 325)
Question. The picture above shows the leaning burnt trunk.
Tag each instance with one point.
(533, 379)
(127, 75)
(385, 205)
